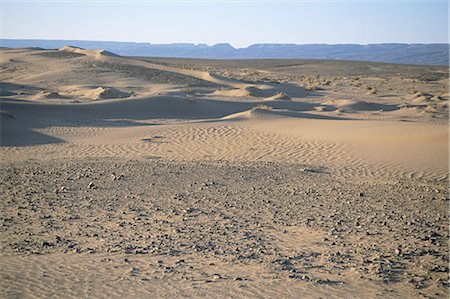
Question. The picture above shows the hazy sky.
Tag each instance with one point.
(238, 22)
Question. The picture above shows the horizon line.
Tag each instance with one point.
(227, 43)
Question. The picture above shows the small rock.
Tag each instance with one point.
(47, 244)
(305, 277)
(115, 177)
(439, 269)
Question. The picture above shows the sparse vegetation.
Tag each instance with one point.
(262, 107)
(313, 87)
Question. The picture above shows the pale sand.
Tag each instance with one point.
(336, 135)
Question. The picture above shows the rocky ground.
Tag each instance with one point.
(300, 224)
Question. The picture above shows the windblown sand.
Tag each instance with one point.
(126, 177)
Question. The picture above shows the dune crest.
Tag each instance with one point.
(352, 105)
(101, 93)
(97, 54)
(47, 95)
(231, 92)
(281, 96)
(257, 112)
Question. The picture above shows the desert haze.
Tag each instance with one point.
(164, 177)
(427, 54)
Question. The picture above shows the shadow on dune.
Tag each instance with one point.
(256, 113)
(295, 114)
(107, 112)
(362, 106)
(14, 132)
(10, 89)
(291, 90)
(158, 107)
(21, 119)
(22, 131)
(289, 105)
(294, 91)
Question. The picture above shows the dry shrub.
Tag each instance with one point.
(262, 107)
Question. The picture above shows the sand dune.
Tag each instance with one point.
(231, 92)
(138, 177)
(279, 96)
(97, 54)
(47, 95)
(260, 111)
(254, 103)
(100, 93)
(93, 92)
(375, 152)
(351, 105)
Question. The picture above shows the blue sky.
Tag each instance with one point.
(240, 23)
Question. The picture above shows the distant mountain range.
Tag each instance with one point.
(428, 54)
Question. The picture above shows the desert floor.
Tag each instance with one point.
(150, 177)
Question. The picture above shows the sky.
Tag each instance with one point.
(240, 23)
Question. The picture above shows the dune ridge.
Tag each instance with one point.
(97, 54)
